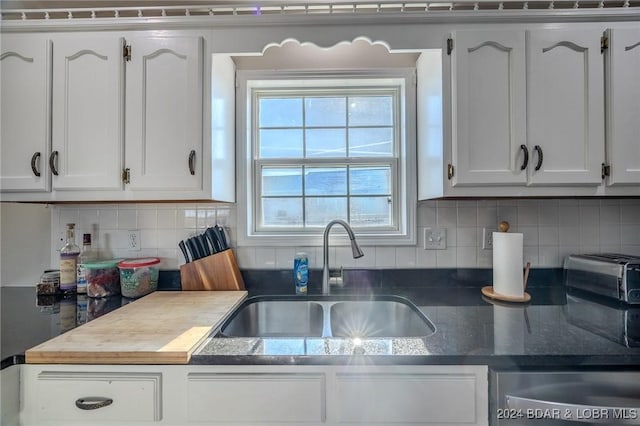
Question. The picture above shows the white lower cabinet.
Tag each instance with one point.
(253, 395)
(10, 396)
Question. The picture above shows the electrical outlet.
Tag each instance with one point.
(133, 239)
(487, 238)
(435, 238)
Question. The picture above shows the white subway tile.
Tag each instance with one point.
(549, 257)
(609, 235)
(609, 214)
(186, 218)
(633, 249)
(147, 219)
(67, 215)
(590, 236)
(630, 213)
(468, 216)
(530, 254)
(564, 251)
(426, 215)
(226, 216)
(108, 218)
(148, 239)
(344, 257)
(487, 217)
(425, 258)
(447, 217)
(509, 214)
(206, 218)
(569, 236)
(446, 258)
(385, 257)
(265, 258)
(568, 215)
(127, 218)
(589, 216)
(466, 237)
(484, 258)
(166, 219)
(284, 257)
(167, 238)
(548, 213)
(169, 259)
(245, 257)
(466, 257)
(630, 234)
(528, 215)
(406, 257)
(529, 235)
(87, 218)
(548, 236)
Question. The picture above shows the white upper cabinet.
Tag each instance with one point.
(25, 70)
(565, 107)
(623, 139)
(488, 115)
(164, 109)
(87, 113)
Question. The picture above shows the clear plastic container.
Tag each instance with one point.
(103, 278)
(139, 277)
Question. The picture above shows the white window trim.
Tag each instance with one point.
(406, 199)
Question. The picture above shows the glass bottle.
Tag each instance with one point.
(87, 255)
(69, 261)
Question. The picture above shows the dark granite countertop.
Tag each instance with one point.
(557, 328)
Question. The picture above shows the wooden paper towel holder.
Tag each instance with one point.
(218, 271)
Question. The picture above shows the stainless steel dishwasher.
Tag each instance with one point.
(565, 398)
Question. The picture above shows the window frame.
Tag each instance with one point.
(404, 160)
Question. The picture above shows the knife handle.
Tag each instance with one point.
(183, 249)
(223, 237)
(193, 250)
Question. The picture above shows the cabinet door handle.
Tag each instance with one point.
(525, 161)
(53, 161)
(540, 157)
(35, 162)
(192, 162)
(93, 402)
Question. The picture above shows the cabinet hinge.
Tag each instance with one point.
(126, 52)
(604, 43)
(449, 46)
(450, 171)
(606, 170)
(126, 176)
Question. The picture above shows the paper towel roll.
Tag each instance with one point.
(507, 264)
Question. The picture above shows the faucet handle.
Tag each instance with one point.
(336, 277)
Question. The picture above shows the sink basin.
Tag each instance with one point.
(275, 318)
(378, 318)
(326, 316)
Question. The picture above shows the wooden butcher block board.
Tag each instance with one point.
(160, 328)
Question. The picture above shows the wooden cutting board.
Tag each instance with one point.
(160, 328)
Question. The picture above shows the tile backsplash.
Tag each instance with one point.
(552, 229)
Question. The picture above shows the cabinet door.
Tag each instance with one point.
(488, 118)
(164, 114)
(87, 113)
(623, 144)
(565, 110)
(25, 70)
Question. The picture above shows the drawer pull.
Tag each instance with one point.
(93, 402)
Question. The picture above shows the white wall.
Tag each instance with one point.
(552, 229)
(25, 241)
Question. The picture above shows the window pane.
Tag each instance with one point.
(280, 112)
(371, 142)
(282, 211)
(325, 181)
(370, 211)
(326, 143)
(320, 211)
(370, 110)
(370, 180)
(325, 112)
(281, 143)
(281, 181)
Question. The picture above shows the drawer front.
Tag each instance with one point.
(381, 398)
(256, 398)
(135, 396)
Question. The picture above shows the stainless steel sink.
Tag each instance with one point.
(327, 316)
(276, 318)
(378, 318)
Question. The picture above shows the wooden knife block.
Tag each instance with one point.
(216, 272)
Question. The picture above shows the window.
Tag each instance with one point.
(320, 148)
